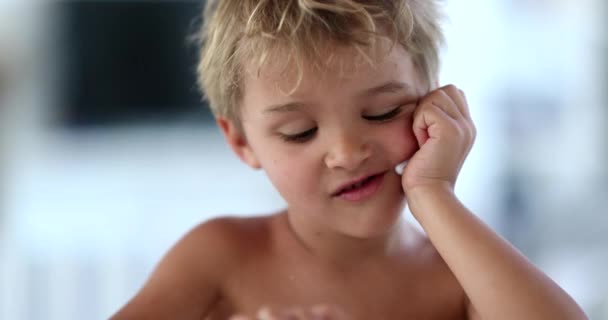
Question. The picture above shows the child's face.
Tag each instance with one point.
(339, 125)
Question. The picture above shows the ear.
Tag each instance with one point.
(238, 142)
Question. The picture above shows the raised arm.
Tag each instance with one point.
(500, 283)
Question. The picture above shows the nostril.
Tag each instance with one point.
(347, 155)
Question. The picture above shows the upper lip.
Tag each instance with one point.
(343, 186)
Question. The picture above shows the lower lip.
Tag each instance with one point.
(364, 191)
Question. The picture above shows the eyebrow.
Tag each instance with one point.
(287, 107)
(389, 87)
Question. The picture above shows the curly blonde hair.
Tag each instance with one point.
(238, 32)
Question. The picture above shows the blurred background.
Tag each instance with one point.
(108, 156)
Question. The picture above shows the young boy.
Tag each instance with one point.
(327, 97)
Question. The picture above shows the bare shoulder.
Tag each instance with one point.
(188, 279)
(229, 239)
(228, 233)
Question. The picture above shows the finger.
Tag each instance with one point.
(420, 128)
(467, 111)
(459, 99)
(441, 99)
(239, 317)
(428, 122)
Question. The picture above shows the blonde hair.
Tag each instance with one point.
(236, 32)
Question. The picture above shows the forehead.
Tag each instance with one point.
(343, 69)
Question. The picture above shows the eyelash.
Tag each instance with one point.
(308, 134)
(299, 137)
(386, 116)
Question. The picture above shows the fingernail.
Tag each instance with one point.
(400, 167)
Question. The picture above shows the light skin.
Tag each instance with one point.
(329, 258)
(332, 111)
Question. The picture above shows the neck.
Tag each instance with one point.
(344, 251)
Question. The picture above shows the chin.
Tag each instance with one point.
(377, 225)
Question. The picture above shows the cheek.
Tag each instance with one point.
(290, 171)
(291, 175)
(400, 141)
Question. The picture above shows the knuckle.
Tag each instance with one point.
(473, 130)
(451, 87)
(461, 132)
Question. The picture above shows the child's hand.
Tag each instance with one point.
(318, 312)
(445, 132)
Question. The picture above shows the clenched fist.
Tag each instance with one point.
(445, 133)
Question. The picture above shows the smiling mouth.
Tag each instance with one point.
(356, 186)
(362, 190)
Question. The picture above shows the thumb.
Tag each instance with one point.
(420, 126)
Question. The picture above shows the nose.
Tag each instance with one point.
(348, 151)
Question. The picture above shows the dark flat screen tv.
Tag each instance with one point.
(125, 62)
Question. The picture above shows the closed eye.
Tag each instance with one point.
(385, 116)
(299, 137)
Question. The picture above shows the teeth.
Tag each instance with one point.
(357, 185)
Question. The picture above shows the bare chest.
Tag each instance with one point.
(382, 294)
